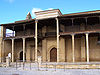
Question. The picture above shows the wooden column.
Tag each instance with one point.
(13, 32)
(57, 22)
(99, 19)
(23, 49)
(36, 40)
(86, 20)
(87, 47)
(12, 50)
(72, 21)
(73, 52)
(24, 29)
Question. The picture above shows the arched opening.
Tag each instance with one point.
(53, 55)
(21, 55)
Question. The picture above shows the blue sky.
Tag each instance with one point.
(13, 10)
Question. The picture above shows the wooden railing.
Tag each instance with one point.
(80, 28)
(16, 35)
(10, 35)
(47, 34)
(50, 34)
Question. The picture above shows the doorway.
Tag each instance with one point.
(53, 55)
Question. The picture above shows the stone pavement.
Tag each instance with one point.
(13, 71)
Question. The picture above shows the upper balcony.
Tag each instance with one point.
(77, 29)
(19, 29)
(20, 34)
(80, 25)
(68, 24)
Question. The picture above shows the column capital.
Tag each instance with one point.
(99, 16)
(36, 21)
(86, 33)
(85, 17)
(73, 34)
(23, 38)
(72, 18)
(56, 18)
(13, 39)
(13, 27)
(24, 25)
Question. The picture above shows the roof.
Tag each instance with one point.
(48, 10)
(19, 22)
(81, 13)
(28, 16)
(65, 15)
(47, 14)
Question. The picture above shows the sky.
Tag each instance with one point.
(14, 10)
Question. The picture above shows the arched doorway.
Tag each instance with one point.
(21, 55)
(53, 55)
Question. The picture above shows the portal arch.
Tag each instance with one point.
(53, 55)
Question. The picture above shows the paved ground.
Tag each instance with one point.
(13, 71)
(34, 70)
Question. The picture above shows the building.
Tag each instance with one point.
(54, 36)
